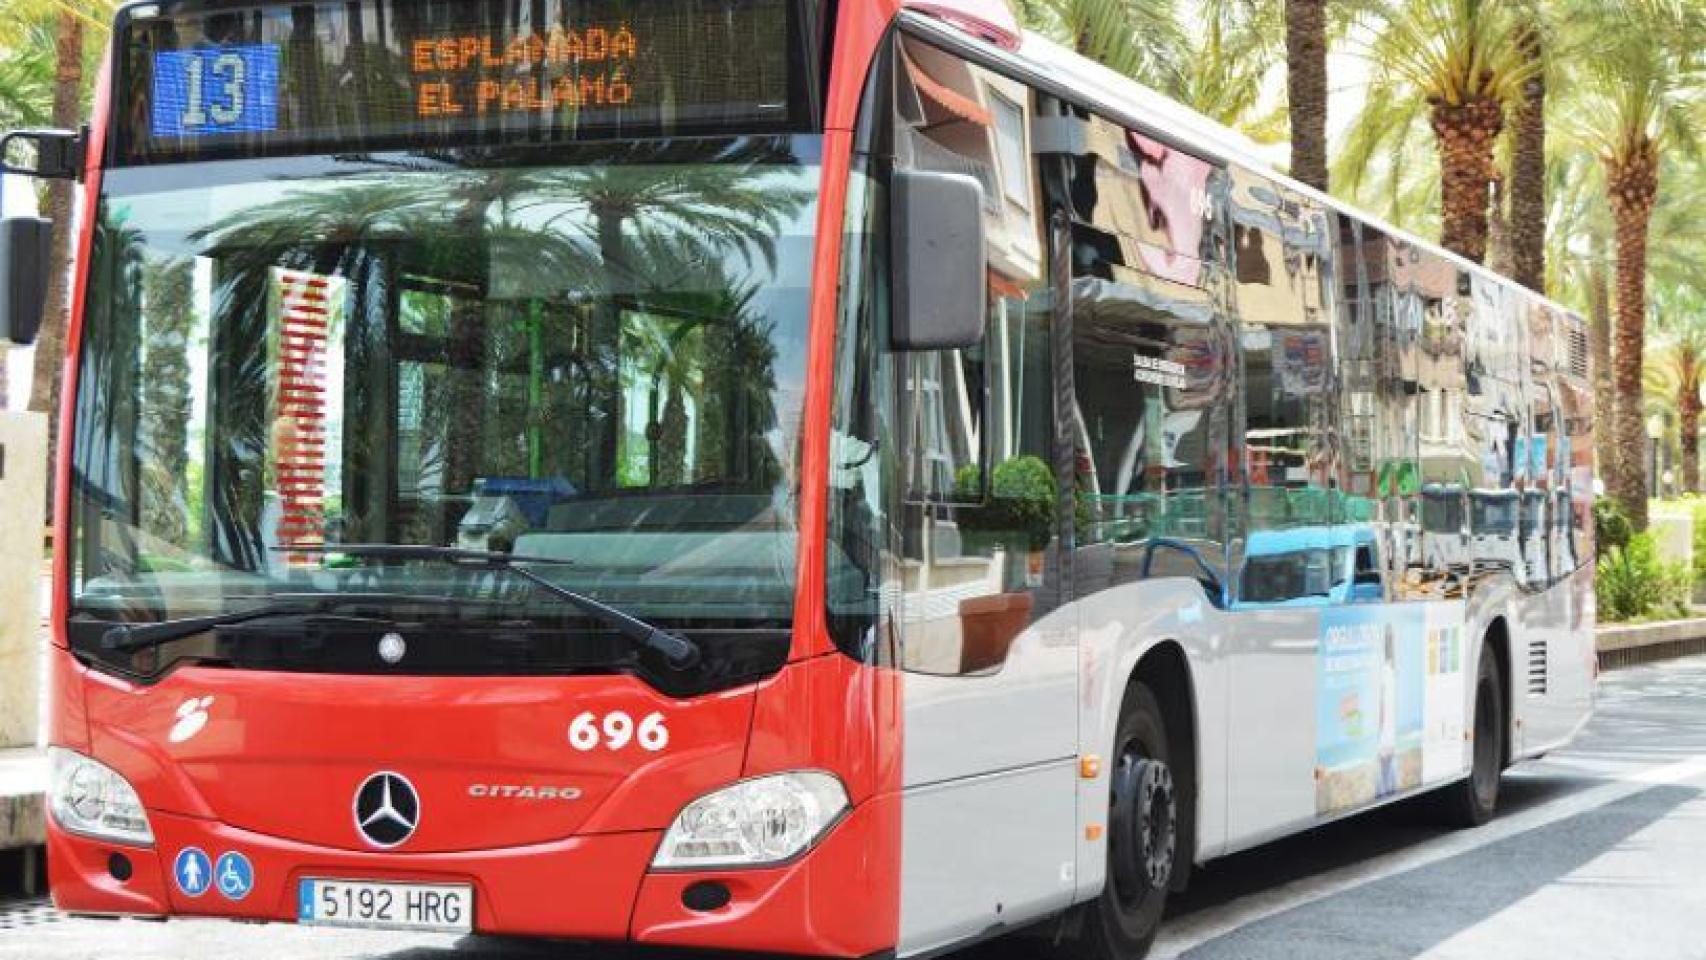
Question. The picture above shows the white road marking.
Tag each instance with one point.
(1178, 936)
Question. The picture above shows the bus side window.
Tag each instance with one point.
(1151, 361)
(979, 494)
(1289, 431)
(1498, 411)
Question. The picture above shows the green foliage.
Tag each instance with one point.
(1697, 512)
(1696, 505)
(1611, 526)
(1632, 583)
(1021, 500)
(1145, 39)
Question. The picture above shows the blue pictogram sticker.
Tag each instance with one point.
(193, 871)
(234, 874)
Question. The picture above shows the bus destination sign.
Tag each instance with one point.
(300, 76)
(564, 68)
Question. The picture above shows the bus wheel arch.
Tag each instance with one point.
(1473, 800)
(1497, 635)
(1165, 671)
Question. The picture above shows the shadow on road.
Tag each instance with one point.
(1383, 919)
(1376, 919)
(1352, 841)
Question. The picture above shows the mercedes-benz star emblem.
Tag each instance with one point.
(392, 647)
(387, 809)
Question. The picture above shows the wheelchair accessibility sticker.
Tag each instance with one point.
(235, 875)
(193, 871)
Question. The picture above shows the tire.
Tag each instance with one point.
(1471, 802)
(1143, 840)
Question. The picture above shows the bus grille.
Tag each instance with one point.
(1578, 350)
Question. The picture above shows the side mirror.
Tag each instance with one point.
(936, 237)
(25, 249)
(58, 154)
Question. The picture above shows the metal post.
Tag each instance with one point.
(32, 871)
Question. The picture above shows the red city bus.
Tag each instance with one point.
(837, 479)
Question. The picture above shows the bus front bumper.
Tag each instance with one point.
(596, 887)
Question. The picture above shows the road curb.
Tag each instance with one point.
(1631, 644)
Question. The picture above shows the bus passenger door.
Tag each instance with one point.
(987, 648)
(1295, 559)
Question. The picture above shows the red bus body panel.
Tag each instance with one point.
(273, 770)
(282, 755)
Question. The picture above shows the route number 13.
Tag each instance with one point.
(223, 105)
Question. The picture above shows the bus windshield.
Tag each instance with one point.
(595, 355)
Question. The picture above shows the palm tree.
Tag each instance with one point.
(1232, 48)
(1388, 164)
(638, 222)
(1637, 102)
(1306, 89)
(168, 312)
(1460, 61)
(1528, 162)
(26, 75)
(1677, 368)
(1139, 38)
(1577, 260)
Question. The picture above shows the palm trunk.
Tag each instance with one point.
(1466, 133)
(1306, 89)
(50, 342)
(1688, 406)
(467, 354)
(1604, 397)
(1498, 230)
(1528, 174)
(1632, 181)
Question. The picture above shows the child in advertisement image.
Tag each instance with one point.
(1369, 704)
(1388, 716)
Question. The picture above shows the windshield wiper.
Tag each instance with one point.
(131, 637)
(678, 651)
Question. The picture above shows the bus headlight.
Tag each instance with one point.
(90, 798)
(754, 822)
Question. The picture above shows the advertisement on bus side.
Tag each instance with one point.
(1444, 750)
(1389, 701)
(1370, 688)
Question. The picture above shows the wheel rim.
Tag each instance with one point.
(1486, 773)
(1144, 827)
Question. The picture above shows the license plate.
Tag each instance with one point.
(447, 907)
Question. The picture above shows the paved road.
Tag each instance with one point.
(1599, 852)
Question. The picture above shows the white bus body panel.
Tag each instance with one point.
(1119, 626)
(989, 762)
(1269, 760)
(1553, 664)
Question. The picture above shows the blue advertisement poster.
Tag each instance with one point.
(1370, 689)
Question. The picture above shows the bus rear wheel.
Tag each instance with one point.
(1471, 802)
(1143, 839)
